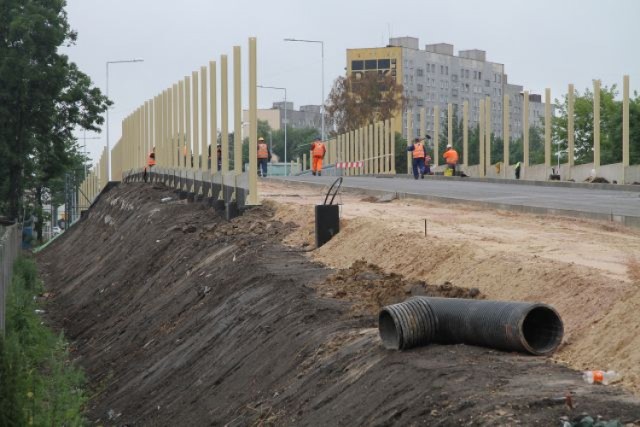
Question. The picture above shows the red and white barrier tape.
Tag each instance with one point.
(348, 165)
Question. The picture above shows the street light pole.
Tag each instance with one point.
(285, 123)
(322, 52)
(108, 147)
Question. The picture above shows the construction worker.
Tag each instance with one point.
(151, 162)
(427, 164)
(419, 155)
(451, 158)
(264, 156)
(318, 150)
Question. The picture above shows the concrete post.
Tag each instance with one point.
(204, 149)
(376, 148)
(525, 133)
(253, 198)
(224, 114)
(465, 133)
(436, 136)
(392, 143)
(570, 131)
(596, 126)
(237, 113)
(625, 127)
(370, 150)
(506, 135)
(181, 127)
(450, 124)
(487, 130)
(387, 147)
(304, 162)
(547, 130)
(195, 139)
(367, 149)
(213, 117)
(175, 133)
(481, 120)
(164, 137)
(364, 152)
(359, 150)
(409, 140)
(423, 128)
(188, 135)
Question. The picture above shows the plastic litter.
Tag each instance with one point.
(601, 377)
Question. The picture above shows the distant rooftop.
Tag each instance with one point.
(441, 48)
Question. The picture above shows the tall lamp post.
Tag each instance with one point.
(322, 51)
(108, 147)
(285, 122)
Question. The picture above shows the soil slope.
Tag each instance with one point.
(182, 318)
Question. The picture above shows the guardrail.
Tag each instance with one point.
(9, 248)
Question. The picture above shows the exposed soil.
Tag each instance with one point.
(588, 270)
(182, 318)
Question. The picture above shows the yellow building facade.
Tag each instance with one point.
(381, 60)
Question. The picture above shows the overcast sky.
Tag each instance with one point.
(543, 43)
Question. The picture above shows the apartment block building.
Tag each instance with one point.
(434, 76)
(308, 116)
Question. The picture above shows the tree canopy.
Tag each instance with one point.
(43, 98)
(610, 126)
(355, 102)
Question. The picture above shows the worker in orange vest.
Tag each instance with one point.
(318, 151)
(151, 162)
(264, 156)
(419, 155)
(451, 157)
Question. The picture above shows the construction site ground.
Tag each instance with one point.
(182, 318)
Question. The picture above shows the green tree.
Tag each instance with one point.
(43, 97)
(610, 126)
(401, 154)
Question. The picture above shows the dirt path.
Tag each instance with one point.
(590, 271)
(182, 318)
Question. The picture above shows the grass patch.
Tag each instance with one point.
(38, 383)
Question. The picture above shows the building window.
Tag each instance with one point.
(420, 72)
(487, 83)
(371, 64)
(420, 102)
(454, 92)
(446, 70)
(442, 69)
(479, 75)
(475, 75)
(384, 63)
(420, 87)
(454, 77)
(357, 65)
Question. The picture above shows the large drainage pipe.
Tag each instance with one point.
(533, 328)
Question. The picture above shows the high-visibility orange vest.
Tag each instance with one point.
(151, 161)
(418, 150)
(263, 151)
(318, 149)
(451, 156)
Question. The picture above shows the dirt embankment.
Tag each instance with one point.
(589, 271)
(182, 318)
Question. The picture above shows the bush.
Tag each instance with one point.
(38, 383)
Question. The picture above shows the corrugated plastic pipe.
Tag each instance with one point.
(533, 328)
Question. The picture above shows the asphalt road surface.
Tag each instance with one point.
(537, 199)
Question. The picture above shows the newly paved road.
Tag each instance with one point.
(622, 206)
